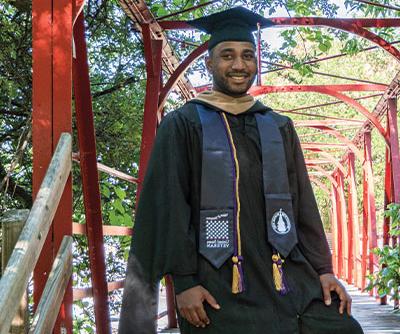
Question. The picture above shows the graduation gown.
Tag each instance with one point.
(165, 238)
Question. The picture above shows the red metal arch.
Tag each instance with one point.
(342, 139)
(323, 187)
(355, 26)
(332, 90)
(330, 157)
(179, 71)
(326, 174)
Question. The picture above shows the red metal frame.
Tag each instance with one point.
(152, 52)
(332, 90)
(353, 251)
(335, 231)
(90, 179)
(328, 156)
(394, 148)
(369, 260)
(344, 244)
(152, 112)
(52, 63)
(52, 115)
(339, 229)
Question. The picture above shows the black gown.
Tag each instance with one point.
(166, 233)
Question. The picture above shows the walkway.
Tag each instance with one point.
(374, 318)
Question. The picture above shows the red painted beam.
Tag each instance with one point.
(90, 179)
(52, 115)
(288, 67)
(62, 122)
(312, 123)
(395, 160)
(338, 23)
(394, 148)
(317, 162)
(369, 211)
(323, 145)
(293, 111)
(388, 198)
(153, 56)
(339, 230)
(335, 234)
(107, 230)
(261, 90)
(344, 226)
(42, 117)
(353, 233)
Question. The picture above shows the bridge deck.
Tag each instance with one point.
(374, 318)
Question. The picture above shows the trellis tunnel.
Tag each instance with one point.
(60, 65)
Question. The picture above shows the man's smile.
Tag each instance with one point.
(238, 77)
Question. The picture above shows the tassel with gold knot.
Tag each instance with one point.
(237, 275)
(277, 273)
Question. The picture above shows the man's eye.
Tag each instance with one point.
(227, 56)
(249, 56)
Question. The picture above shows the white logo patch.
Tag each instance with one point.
(217, 232)
(280, 222)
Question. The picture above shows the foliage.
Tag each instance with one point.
(387, 279)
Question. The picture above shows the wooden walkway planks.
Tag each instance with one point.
(374, 318)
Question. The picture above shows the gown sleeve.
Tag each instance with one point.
(311, 235)
(163, 239)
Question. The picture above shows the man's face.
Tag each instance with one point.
(233, 67)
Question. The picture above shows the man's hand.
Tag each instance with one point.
(330, 283)
(190, 305)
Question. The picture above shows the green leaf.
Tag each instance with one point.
(120, 193)
(118, 205)
(105, 191)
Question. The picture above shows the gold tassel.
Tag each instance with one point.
(276, 273)
(235, 279)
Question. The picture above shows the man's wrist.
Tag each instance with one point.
(184, 282)
(326, 270)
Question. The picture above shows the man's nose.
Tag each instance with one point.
(238, 64)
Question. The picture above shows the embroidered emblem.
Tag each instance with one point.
(217, 231)
(280, 222)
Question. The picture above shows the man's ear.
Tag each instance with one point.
(208, 62)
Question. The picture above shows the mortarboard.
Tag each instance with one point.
(235, 24)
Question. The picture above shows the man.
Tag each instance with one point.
(228, 210)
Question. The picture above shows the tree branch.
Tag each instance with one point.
(14, 190)
(118, 86)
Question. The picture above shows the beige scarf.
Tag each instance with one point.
(229, 104)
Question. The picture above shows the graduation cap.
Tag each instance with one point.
(235, 24)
